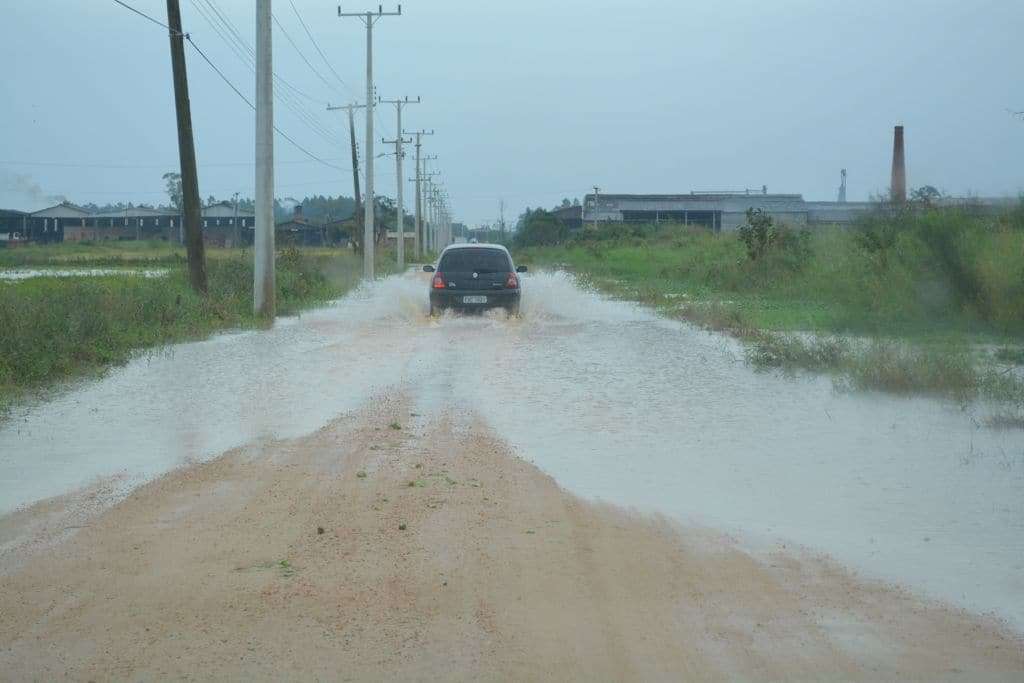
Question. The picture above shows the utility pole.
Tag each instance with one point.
(192, 214)
(597, 192)
(429, 234)
(355, 160)
(238, 229)
(264, 277)
(418, 240)
(501, 223)
(399, 143)
(369, 19)
(428, 178)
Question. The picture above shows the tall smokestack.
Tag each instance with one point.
(898, 189)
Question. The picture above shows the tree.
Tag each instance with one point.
(541, 228)
(173, 183)
(926, 195)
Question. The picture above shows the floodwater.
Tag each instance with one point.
(28, 273)
(613, 401)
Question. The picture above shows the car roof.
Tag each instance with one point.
(467, 245)
(462, 246)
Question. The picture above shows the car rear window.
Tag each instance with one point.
(475, 261)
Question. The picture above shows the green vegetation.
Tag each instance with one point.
(903, 302)
(56, 328)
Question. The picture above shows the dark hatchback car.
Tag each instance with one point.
(473, 278)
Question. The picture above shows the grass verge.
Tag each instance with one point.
(58, 328)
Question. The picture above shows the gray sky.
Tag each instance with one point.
(532, 100)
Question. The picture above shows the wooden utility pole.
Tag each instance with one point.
(192, 212)
(357, 215)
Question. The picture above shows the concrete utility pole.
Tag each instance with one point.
(431, 230)
(418, 239)
(264, 284)
(399, 143)
(355, 159)
(369, 19)
(192, 213)
(501, 224)
(238, 229)
(428, 176)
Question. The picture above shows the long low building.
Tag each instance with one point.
(223, 224)
(717, 210)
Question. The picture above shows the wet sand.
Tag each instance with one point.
(433, 552)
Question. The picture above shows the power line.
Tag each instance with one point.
(302, 55)
(229, 34)
(317, 46)
(231, 85)
(253, 107)
(144, 15)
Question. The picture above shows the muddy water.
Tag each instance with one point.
(613, 401)
(27, 274)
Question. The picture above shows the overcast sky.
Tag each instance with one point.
(532, 100)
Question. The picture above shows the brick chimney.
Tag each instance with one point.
(298, 213)
(898, 188)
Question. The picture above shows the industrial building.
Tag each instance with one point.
(718, 211)
(223, 225)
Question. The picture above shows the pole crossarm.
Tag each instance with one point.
(370, 18)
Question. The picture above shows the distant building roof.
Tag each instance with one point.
(137, 212)
(62, 210)
(225, 210)
(12, 213)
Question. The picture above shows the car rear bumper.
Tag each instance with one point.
(507, 299)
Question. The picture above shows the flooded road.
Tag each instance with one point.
(613, 401)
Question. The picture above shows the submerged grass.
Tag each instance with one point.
(54, 328)
(900, 303)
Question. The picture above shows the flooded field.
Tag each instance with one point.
(613, 401)
(13, 275)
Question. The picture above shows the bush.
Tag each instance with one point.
(541, 228)
(760, 235)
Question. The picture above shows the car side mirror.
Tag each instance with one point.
(428, 269)
(522, 269)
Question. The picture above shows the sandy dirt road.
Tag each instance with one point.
(432, 552)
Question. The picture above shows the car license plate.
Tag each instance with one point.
(474, 299)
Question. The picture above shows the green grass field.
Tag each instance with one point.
(929, 301)
(56, 328)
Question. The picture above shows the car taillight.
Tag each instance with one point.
(512, 282)
(439, 281)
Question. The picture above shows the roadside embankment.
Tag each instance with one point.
(394, 546)
(928, 301)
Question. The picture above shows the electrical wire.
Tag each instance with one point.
(244, 52)
(312, 68)
(228, 82)
(321, 52)
(253, 107)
